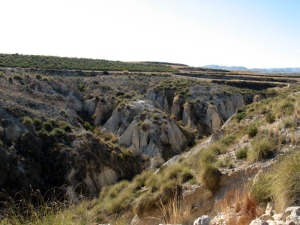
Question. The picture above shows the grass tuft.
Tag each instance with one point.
(211, 177)
(262, 148)
(242, 153)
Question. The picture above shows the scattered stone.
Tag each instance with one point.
(269, 208)
(266, 217)
(203, 220)
(290, 217)
(277, 216)
(258, 222)
(294, 208)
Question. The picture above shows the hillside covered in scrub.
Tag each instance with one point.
(88, 141)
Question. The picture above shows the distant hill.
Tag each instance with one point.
(164, 63)
(261, 70)
(225, 67)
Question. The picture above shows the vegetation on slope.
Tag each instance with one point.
(65, 63)
(251, 137)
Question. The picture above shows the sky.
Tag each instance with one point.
(251, 33)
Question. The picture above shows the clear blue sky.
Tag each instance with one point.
(251, 33)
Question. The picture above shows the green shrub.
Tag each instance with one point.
(178, 172)
(242, 153)
(211, 177)
(129, 96)
(106, 136)
(240, 116)
(88, 126)
(228, 140)
(252, 131)
(58, 132)
(207, 156)
(155, 116)
(270, 118)
(48, 126)
(262, 148)
(67, 128)
(37, 123)
(27, 121)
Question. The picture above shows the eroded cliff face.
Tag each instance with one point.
(151, 127)
(77, 160)
(146, 130)
(205, 114)
(94, 164)
(151, 122)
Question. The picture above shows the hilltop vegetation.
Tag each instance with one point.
(67, 63)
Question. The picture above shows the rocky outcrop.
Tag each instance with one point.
(77, 161)
(103, 111)
(146, 130)
(90, 106)
(163, 98)
(206, 114)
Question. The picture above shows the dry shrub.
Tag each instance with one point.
(262, 148)
(239, 207)
(281, 183)
(286, 188)
(175, 212)
(211, 177)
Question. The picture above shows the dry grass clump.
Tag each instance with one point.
(242, 153)
(34, 209)
(176, 212)
(117, 197)
(270, 118)
(228, 140)
(145, 191)
(289, 123)
(261, 188)
(281, 183)
(211, 177)
(208, 155)
(252, 131)
(286, 188)
(262, 148)
(239, 207)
